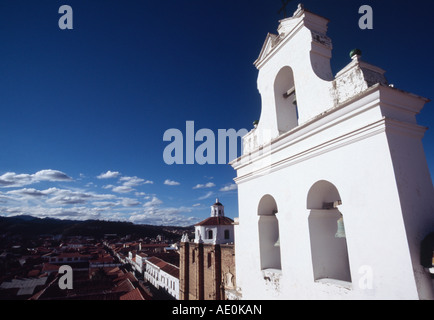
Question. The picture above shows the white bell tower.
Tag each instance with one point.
(217, 209)
(335, 194)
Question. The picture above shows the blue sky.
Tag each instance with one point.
(84, 111)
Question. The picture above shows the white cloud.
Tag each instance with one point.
(68, 200)
(50, 175)
(203, 186)
(76, 213)
(154, 214)
(55, 196)
(209, 194)
(76, 204)
(128, 202)
(105, 204)
(127, 184)
(154, 202)
(109, 175)
(81, 203)
(122, 189)
(70, 197)
(134, 181)
(171, 183)
(32, 192)
(229, 187)
(13, 180)
(121, 202)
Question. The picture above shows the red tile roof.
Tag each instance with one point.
(124, 286)
(216, 221)
(103, 259)
(49, 267)
(124, 276)
(132, 295)
(33, 273)
(114, 270)
(164, 266)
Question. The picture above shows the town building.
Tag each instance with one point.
(335, 195)
(207, 264)
(97, 275)
(163, 276)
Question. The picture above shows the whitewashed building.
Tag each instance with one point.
(163, 276)
(140, 262)
(334, 190)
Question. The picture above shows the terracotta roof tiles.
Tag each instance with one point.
(164, 266)
(216, 221)
(132, 295)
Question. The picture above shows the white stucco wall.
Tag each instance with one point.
(218, 233)
(376, 234)
(360, 137)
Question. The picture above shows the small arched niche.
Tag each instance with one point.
(268, 225)
(286, 100)
(327, 234)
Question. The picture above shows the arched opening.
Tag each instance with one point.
(210, 235)
(286, 100)
(327, 234)
(269, 244)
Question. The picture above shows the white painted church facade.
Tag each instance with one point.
(334, 190)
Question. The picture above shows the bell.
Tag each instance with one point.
(277, 244)
(341, 229)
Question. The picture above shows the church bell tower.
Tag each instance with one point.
(335, 194)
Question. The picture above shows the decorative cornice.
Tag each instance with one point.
(373, 97)
(330, 145)
(380, 126)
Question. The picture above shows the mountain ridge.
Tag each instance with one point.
(29, 226)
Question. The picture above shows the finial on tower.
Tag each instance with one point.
(355, 53)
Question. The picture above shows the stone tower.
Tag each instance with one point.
(207, 264)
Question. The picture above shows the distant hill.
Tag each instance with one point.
(29, 226)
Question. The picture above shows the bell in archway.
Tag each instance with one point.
(277, 243)
(341, 229)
